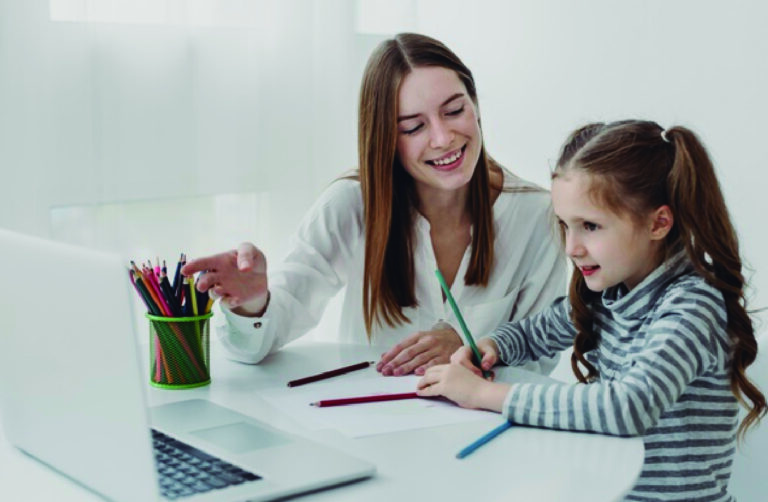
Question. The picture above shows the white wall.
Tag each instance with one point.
(108, 112)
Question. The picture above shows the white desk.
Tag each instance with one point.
(521, 464)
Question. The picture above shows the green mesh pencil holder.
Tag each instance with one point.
(179, 355)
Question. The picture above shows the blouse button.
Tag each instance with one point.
(257, 324)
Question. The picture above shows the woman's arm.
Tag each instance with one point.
(301, 286)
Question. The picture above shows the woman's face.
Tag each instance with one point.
(438, 140)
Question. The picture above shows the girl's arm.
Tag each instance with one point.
(542, 335)
(686, 340)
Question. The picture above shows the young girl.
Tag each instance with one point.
(655, 313)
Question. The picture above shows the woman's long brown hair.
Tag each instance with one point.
(635, 167)
(389, 196)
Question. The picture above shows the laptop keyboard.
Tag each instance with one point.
(184, 470)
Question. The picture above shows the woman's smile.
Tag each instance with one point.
(449, 161)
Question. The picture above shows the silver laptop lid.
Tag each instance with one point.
(71, 391)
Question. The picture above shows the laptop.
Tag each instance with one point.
(72, 395)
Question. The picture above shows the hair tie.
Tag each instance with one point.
(664, 136)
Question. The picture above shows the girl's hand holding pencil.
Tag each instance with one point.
(238, 277)
(488, 350)
(462, 386)
(459, 384)
(463, 383)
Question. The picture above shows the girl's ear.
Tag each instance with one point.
(661, 222)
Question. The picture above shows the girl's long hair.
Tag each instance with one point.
(389, 195)
(635, 167)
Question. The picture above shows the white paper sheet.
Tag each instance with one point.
(367, 419)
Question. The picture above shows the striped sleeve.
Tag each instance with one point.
(679, 346)
(542, 335)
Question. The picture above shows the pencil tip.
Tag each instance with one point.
(313, 404)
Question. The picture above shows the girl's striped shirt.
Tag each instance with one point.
(663, 361)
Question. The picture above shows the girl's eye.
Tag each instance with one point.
(589, 226)
(456, 112)
(412, 130)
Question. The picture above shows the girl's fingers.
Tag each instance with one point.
(466, 363)
(461, 355)
(431, 376)
(488, 361)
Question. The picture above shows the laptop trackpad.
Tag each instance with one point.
(240, 437)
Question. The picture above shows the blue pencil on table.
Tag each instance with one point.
(483, 439)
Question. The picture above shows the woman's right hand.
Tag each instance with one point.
(238, 277)
(488, 350)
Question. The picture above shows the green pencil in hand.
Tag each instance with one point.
(467, 335)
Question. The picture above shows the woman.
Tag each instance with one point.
(426, 197)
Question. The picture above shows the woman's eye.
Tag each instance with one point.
(590, 227)
(412, 130)
(456, 111)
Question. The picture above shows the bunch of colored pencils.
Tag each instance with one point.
(180, 340)
(168, 298)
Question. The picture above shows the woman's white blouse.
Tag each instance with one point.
(328, 251)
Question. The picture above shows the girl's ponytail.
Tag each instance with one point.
(710, 241)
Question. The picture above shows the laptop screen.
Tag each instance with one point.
(71, 389)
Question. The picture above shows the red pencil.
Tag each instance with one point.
(364, 399)
(329, 374)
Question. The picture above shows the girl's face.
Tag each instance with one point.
(607, 248)
(438, 141)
